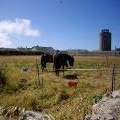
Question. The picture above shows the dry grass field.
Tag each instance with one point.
(54, 96)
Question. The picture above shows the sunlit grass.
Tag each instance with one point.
(31, 96)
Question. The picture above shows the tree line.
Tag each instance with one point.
(16, 52)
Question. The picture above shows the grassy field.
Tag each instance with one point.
(54, 96)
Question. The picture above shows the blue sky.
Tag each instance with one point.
(62, 24)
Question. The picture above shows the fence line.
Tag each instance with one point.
(51, 69)
(89, 69)
(113, 69)
(7, 64)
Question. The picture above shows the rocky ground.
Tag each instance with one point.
(106, 109)
(21, 114)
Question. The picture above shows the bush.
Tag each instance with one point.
(20, 52)
(3, 78)
(62, 95)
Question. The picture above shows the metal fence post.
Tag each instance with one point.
(113, 79)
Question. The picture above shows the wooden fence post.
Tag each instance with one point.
(37, 73)
(113, 79)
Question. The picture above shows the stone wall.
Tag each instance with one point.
(106, 109)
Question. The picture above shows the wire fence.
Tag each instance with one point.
(36, 67)
(34, 70)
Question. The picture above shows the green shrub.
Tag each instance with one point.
(3, 78)
(5, 84)
(97, 98)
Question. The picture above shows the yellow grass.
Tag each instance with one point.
(90, 84)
